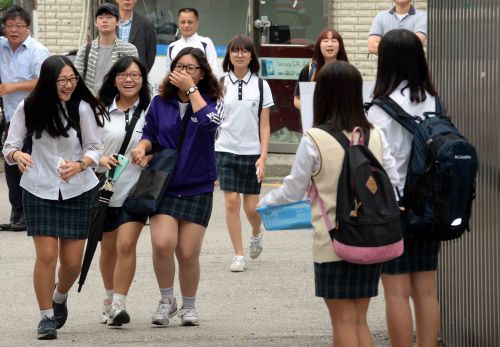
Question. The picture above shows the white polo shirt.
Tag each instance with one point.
(239, 131)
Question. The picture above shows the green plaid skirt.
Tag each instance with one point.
(67, 219)
(195, 209)
(343, 280)
(418, 256)
(237, 173)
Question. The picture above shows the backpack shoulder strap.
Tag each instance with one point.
(338, 135)
(204, 44)
(86, 60)
(396, 112)
(261, 95)
(312, 72)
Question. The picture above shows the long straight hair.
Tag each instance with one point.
(338, 98)
(43, 108)
(109, 91)
(401, 58)
(318, 57)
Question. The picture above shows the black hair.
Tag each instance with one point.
(16, 11)
(318, 57)
(208, 85)
(401, 58)
(43, 108)
(240, 42)
(109, 90)
(188, 9)
(338, 98)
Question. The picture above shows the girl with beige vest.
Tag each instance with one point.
(345, 287)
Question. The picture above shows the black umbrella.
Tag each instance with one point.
(96, 228)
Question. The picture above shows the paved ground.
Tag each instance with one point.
(271, 304)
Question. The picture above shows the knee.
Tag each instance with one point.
(72, 266)
(108, 251)
(47, 258)
(163, 250)
(126, 248)
(232, 202)
(187, 257)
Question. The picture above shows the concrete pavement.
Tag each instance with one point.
(270, 304)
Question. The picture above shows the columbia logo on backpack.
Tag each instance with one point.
(441, 181)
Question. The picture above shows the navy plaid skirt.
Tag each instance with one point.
(67, 219)
(195, 209)
(343, 280)
(419, 255)
(237, 173)
(116, 216)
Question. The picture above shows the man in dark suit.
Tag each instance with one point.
(137, 30)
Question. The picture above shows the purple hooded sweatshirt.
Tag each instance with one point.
(195, 170)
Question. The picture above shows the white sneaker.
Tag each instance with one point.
(164, 312)
(189, 317)
(118, 315)
(256, 245)
(239, 264)
(106, 308)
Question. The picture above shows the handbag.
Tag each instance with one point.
(153, 181)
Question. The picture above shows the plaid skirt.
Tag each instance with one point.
(419, 255)
(343, 280)
(67, 219)
(116, 216)
(237, 173)
(195, 209)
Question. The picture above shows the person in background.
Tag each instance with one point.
(345, 287)
(189, 103)
(60, 119)
(402, 16)
(21, 57)
(329, 47)
(93, 60)
(242, 144)
(124, 90)
(188, 26)
(403, 75)
(138, 30)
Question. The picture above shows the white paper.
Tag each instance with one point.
(306, 104)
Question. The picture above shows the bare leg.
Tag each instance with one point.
(44, 273)
(107, 259)
(397, 289)
(128, 234)
(250, 202)
(343, 316)
(232, 203)
(188, 256)
(424, 295)
(364, 335)
(164, 231)
(70, 263)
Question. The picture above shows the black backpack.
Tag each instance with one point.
(368, 219)
(441, 180)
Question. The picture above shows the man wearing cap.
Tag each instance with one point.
(402, 16)
(137, 30)
(94, 59)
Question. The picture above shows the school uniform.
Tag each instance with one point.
(52, 206)
(189, 191)
(320, 157)
(418, 255)
(112, 135)
(238, 142)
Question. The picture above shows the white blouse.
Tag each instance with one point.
(42, 179)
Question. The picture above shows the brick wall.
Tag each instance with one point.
(60, 24)
(353, 19)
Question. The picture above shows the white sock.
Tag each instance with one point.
(109, 294)
(119, 298)
(167, 295)
(59, 298)
(188, 302)
(47, 313)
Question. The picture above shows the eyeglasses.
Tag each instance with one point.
(134, 76)
(243, 52)
(190, 69)
(64, 81)
(15, 26)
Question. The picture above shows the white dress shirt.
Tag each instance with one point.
(399, 138)
(42, 179)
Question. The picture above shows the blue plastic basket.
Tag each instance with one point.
(296, 215)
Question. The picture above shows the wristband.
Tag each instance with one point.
(83, 166)
(12, 155)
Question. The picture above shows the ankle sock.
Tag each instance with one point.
(109, 294)
(188, 301)
(59, 298)
(119, 298)
(47, 313)
(167, 295)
